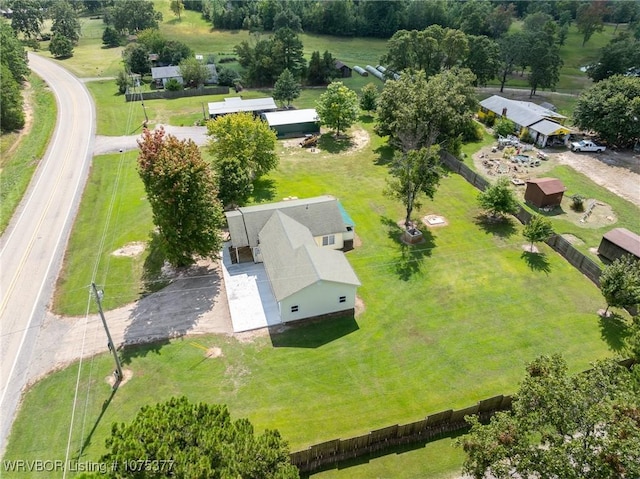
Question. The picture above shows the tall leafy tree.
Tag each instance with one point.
(590, 19)
(513, 52)
(417, 112)
(538, 228)
(11, 113)
(177, 7)
(243, 148)
(27, 17)
(620, 283)
(60, 46)
(414, 174)
(136, 58)
(132, 16)
(369, 97)
(193, 72)
(611, 108)
(111, 38)
(182, 193)
(544, 58)
(337, 107)
(483, 58)
(322, 69)
(286, 88)
(196, 440)
(584, 426)
(65, 21)
(616, 58)
(287, 53)
(13, 54)
(498, 199)
(287, 19)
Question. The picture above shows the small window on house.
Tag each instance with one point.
(343, 299)
(328, 240)
(294, 309)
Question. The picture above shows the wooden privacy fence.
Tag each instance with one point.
(331, 452)
(584, 264)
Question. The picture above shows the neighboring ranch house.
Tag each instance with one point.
(297, 240)
(236, 104)
(545, 126)
(544, 192)
(344, 70)
(161, 75)
(291, 123)
(619, 242)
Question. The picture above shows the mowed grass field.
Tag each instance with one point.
(444, 323)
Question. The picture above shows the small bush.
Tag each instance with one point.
(508, 152)
(227, 60)
(173, 85)
(577, 203)
(472, 131)
(503, 127)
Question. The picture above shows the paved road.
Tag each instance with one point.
(32, 247)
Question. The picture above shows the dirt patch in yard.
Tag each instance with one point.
(130, 249)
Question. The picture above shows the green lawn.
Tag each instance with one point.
(445, 323)
(19, 161)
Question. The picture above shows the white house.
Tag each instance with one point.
(297, 240)
(161, 75)
(543, 124)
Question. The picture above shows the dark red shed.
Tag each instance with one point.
(544, 192)
(619, 242)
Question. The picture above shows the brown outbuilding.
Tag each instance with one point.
(619, 242)
(544, 192)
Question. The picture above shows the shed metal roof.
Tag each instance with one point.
(523, 113)
(625, 239)
(547, 127)
(237, 104)
(293, 261)
(291, 117)
(549, 186)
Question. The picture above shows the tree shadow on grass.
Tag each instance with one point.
(409, 259)
(503, 226)
(614, 331)
(384, 155)
(329, 143)
(264, 189)
(537, 261)
(400, 449)
(365, 118)
(312, 333)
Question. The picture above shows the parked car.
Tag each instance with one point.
(587, 145)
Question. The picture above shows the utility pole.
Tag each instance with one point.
(112, 348)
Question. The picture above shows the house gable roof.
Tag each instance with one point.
(625, 239)
(549, 186)
(523, 113)
(547, 127)
(293, 261)
(290, 117)
(321, 215)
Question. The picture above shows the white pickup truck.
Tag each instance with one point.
(586, 145)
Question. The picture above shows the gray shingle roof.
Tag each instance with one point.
(523, 113)
(321, 215)
(293, 261)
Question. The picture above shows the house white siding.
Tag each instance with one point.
(318, 299)
(325, 241)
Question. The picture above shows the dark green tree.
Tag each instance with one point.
(235, 182)
(132, 16)
(152, 39)
(196, 440)
(590, 19)
(537, 229)
(611, 108)
(503, 127)
(544, 59)
(414, 174)
(287, 53)
(584, 426)
(498, 199)
(65, 21)
(474, 17)
(483, 58)
(287, 19)
(177, 7)
(227, 76)
(369, 97)
(13, 54)
(111, 38)
(620, 283)
(123, 81)
(322, 69)
(286, 88)
(616, 58)
(11, 113)
(181, 190)
(337, 107)
(136, 58)
(417, 112)
(193, 72)
(173, 52)
(27, 17)
(60, 46)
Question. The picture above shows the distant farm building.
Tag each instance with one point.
(376, 73)
(619, 242)
(361, 71)
(544, 192)
(292, 123)
(545, 126)
(345, 70)
(161, 75)
(236, 104)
